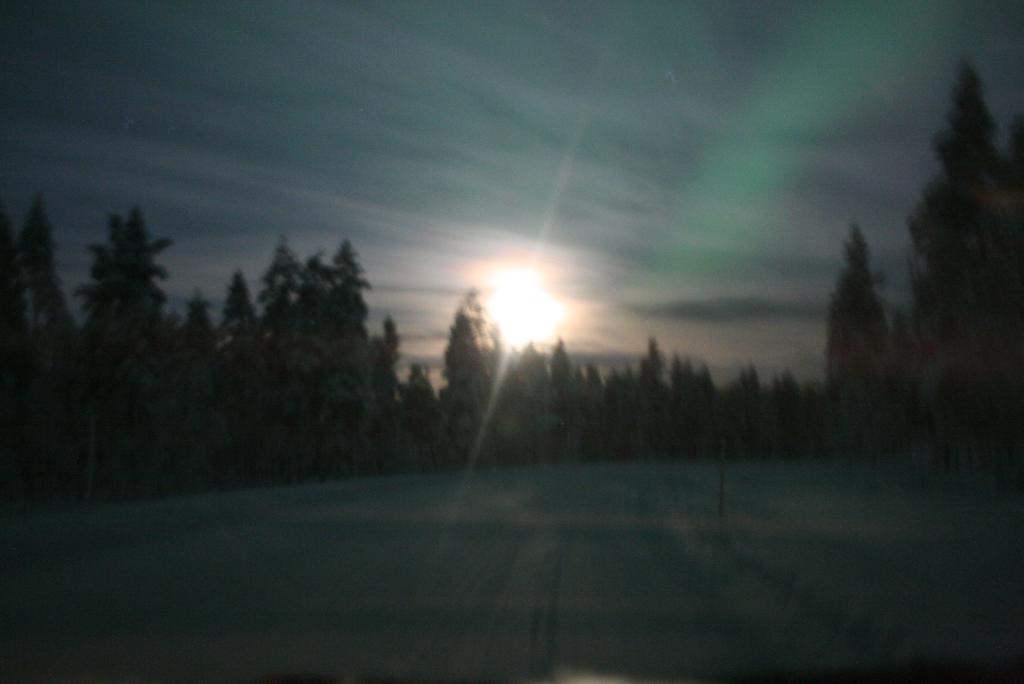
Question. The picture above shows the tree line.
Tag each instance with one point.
(290, 385)
(947, 374)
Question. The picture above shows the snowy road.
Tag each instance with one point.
(608, 569)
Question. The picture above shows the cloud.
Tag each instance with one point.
(732, 310)
(643, 154)
(428, 336)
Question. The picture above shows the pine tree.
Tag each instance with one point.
(13, 321)
(593, 444)
(384, 360)
(421, 414)
(280, 292)
(857, 328)
(968, 277)
(124, 303)
(967, 147)
(522, 419)
(744, 417)
(564, 405)
(242, 385)
(316, 282)
(1014, 204)
(16, 368)
(124, 274)
(198, 327)
(692, 397)
(47, 308)
(1015, 161)
(652, 366)
(384, 388)
(786, 401)
(951, 228)
(624, 421)
(858, 354)
(346, 309)
(654, 416)
(561, 372)
(467, 371)
(239, 314)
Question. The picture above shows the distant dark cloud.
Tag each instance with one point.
(430, 335)
(450, 292)
(732, 310)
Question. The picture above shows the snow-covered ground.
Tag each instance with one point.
(606, 569)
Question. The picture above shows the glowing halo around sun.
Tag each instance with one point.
(522, 309)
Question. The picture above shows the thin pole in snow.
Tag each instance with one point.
(721, 479)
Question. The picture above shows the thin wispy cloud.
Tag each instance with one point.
(675, 153)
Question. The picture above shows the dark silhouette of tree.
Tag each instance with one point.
(523, 420)
(280, 292)
(788, 438)
(15, 367)
(561, 373)
(242, 389)
(124, 275)
(316, 280)
(857, 329)
(565, 406)
(13, 320)
(384, 360)
(692, 399)
(124, 359)
(346, 308)
(1013, 199)
(421, 415)
(384, 387)
(198, 327)
(185, 418)
(47, 308)
(345, 360)
(239, 314)
(969, 285)
(467, 370)
(743, 421)
(654, 402)
(1015, 162)
(967, 147)
(622, 430)
(592, 414)
(950, 229)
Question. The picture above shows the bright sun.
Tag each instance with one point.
(522, 309)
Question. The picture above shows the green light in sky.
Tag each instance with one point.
(838, 64)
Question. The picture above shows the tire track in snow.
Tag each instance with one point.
(544, 621)
(860, 636)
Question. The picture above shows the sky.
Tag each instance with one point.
(682, 170)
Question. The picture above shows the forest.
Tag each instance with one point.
(287, 384)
